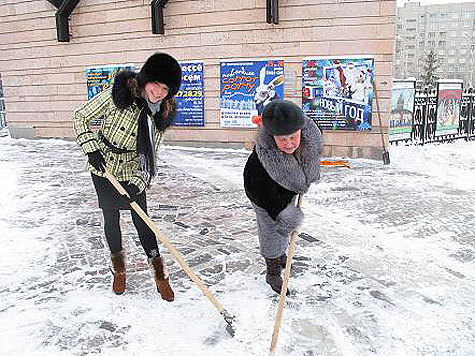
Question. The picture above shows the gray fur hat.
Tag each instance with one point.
(282, 117)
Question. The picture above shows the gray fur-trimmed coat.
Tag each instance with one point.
(273, 178)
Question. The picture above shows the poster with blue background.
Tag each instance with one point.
(246, 86)
(190, 97)
(102, 77)
(337, 93)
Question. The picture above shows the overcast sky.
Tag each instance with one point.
(429, 2)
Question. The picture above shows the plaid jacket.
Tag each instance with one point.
(119, 128)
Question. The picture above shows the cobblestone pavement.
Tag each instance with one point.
(385, 256)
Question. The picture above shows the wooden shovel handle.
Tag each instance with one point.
(285, 284)
(164, 240)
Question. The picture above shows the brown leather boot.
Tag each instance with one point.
(160, 274)
(118, 264)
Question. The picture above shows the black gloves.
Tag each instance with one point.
(97, 161)
(133, 191)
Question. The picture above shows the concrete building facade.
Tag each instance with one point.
(44, 80)
(448, 29)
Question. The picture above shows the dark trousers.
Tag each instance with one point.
(114, 236)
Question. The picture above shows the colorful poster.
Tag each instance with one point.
(100, 78)
(190, 97)
(449, 101)
(402, 109)
(338, 92)
(246, 87)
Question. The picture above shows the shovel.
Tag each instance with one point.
(285, 284)
(228, 318)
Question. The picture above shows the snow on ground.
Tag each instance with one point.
(385, 265)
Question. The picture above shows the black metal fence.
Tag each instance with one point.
(424, 121)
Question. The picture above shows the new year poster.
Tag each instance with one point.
(337, 92)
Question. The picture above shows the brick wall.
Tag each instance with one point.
(44, 80)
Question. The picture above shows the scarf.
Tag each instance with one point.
(146, 138)
(297, 171)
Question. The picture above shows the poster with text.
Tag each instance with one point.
(246, 86)
(402, 109)
(190, 97)
(337, 92)
(449, 101)
(100, 78)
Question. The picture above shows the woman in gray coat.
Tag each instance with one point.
(285, 161)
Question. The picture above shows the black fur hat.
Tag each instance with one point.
(282, 117)
(163, 68)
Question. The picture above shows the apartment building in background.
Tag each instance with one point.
(448, 29)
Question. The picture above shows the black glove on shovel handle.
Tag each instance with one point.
(133, 191)
(97, 160)
(228, 318)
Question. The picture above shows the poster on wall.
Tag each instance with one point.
(190, 97)
(449, 101)
(246, 86)
(101, 78)
(402, 109)
(337, 92)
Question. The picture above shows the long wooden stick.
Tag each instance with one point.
(385, 151)
(175, 254)
(285, 284)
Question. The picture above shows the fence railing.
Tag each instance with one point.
(424, 123)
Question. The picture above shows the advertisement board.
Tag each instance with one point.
(190, 97)
(449, 101)
(402, 109)
(246, 86)
(337, 92)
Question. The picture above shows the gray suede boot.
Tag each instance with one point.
(273, 277)
(283, 261)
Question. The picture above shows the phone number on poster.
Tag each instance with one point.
(189, 94)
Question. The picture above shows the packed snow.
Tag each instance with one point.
(385, 264)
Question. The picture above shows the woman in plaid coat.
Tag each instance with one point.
(136, 111)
